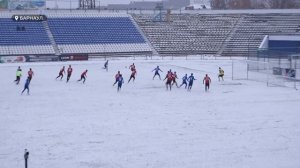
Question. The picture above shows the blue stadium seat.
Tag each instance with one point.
(94, 30)
(34, 33)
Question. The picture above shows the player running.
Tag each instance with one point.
(83, 76)
(133, 73)
(157, 69)
(117, 77)
(184, 81)
(18, 75)
(169, 78)
(207, 82)
(132, 67)
(26, 86)
(120, 82)
(69, 72)
(106, 66)
(30, 74)
(191, 79)
(221, 74)
(61, 73)
(174, 77)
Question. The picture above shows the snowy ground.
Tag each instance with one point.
(238, 124)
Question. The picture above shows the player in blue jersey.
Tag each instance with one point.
(106, 66)
(184, 81)
(120, 82)
(26, 86)
(191, 81)
(157, 69)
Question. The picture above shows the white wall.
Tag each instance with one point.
(289, 38)
(265, 42)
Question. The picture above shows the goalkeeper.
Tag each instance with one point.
(221, 74)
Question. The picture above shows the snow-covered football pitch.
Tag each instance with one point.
(237, 124)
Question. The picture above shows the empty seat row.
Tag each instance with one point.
(22, 33)
(94, 30)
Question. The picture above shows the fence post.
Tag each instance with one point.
(247, 71)
(267, 80)
(232, 70)
(26, 155)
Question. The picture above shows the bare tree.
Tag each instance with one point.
(288, 4)
(239, 4)
(256, 4)
(218, 4)
(280, 4)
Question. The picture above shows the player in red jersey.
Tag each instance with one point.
(117, 77)
(132, 67)
(169, 78)
(174, 77)
(69, 71)
(169, 72)
(133, 73)
(207, 82)
(30, 74)
(83, 76)
(61, 73)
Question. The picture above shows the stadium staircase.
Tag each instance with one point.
(50, 36)
(229, 37)
(144, 36)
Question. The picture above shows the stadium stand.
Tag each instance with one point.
(236, 34)
(23, 38)
(74, 34)
(254, 27)
(219, 33)
(86, 34)
(94, 31)
(187, 34)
